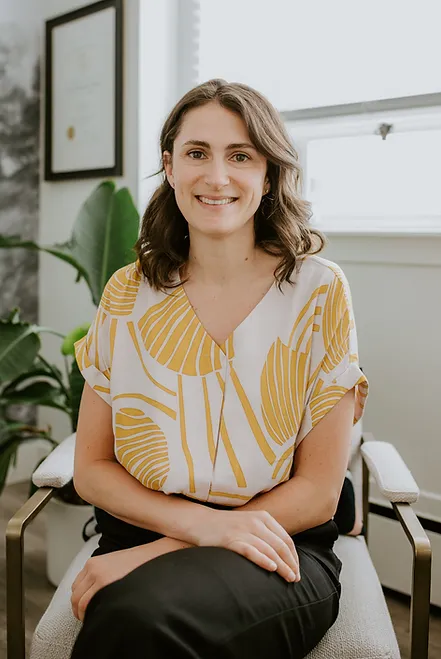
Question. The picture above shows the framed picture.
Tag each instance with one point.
(84, 93)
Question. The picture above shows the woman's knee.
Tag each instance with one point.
(180, 587)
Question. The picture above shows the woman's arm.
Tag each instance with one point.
(311, 496)
(103, 482)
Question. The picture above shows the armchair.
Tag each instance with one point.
(363, 629)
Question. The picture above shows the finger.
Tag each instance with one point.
(78, 592)
(252, 553)
(84, 601)
(282, 549)
(85, 572)
(276, 528)
(285, 569)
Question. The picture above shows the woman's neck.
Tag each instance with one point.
(223, 261)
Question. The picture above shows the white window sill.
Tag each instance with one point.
(409, 226)
(380, 233)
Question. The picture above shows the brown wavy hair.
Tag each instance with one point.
(281, 223)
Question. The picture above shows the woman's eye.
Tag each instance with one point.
(196, 154)
(242, 157)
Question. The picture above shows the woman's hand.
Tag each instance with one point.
(253, 534)
(99, 571)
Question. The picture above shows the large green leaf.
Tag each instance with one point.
(62, 251)
(38, 393)
(19, 345)
(38, 370)
(104, 235)
(12, 435)
(72, 337)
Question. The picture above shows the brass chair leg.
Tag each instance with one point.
(421, 580)
(15, 621)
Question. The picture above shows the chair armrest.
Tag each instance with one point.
(57, 469)
(391, 474)
(421, 580)
(397, 484)
(53, 473)
(15, 616)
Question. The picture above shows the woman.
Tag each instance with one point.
(222, 382)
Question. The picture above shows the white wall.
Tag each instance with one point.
(63, 303)
(396, 290)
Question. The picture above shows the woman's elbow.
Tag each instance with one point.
(78, 486)
(80, 480)
(331, 504)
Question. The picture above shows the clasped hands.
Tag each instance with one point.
(256, 535)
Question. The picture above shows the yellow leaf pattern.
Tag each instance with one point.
(232, 433)
(336, 324)
(173, 335)
(141, 447)
(121, 290)
(283, 388)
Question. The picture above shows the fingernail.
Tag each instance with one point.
(291, 576)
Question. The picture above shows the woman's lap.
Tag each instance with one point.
(209, 602)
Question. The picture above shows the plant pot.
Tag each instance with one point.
(64, 535)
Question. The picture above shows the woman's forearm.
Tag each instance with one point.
(297, 504)
(107, 485)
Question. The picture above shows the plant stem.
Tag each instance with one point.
(55, 375)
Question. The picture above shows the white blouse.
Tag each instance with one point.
(221, 423)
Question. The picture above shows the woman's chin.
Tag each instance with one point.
(219, 230)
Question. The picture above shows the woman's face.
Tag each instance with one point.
(218, 176)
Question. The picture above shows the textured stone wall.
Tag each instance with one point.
(19, 155)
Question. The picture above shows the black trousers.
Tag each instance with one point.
(210, 603)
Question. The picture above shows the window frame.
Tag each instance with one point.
(405, 114)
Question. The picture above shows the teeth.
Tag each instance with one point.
(217, 202)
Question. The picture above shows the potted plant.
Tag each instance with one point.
(102, 240)
(26, 379)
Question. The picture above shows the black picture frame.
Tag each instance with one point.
(107, 169)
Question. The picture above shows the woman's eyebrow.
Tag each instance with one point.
(205, 145)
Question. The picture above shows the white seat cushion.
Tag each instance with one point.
(58, 628)
(363, 629)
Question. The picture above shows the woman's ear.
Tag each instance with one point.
(167, 162)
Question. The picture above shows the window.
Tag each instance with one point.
(314, 53)
(341, 72)
(358, 181)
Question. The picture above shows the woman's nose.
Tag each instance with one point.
(216, 174)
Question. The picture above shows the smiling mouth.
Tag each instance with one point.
(225, 201)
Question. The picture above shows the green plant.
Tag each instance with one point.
(102, 241)
(26, 378)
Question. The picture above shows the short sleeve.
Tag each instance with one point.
(334, 365)
(93, 355)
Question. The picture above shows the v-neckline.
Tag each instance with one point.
(230, 337)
